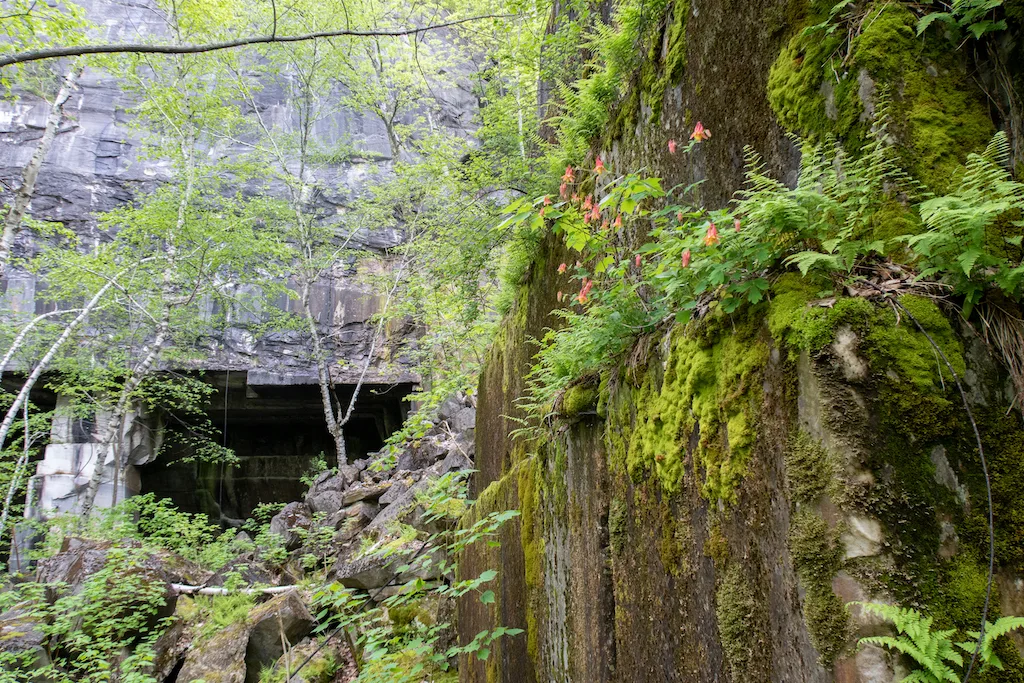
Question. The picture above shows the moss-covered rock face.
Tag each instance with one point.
(819, 86)
(705, 510)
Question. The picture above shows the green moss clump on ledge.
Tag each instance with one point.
(579, 398)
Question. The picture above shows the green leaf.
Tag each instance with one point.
(487, 598)
(486, 576)
(928, 19)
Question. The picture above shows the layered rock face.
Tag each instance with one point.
(95, 166)
(707, 508)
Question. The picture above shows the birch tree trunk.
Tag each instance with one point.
(44, 362)
(29, 176)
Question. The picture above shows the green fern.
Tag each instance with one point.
(932, 651)
(973, 236)
(992, 633)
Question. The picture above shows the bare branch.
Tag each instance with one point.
(143, 48)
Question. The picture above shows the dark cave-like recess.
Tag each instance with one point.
(277, 432)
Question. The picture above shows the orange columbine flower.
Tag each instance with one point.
(618, 222)
(562, 189)
(547, 200)
(604, 225)
(559, 297)
(712, 236)
(671, 146)
(542, 211)
(587, 203)
(595, 213)
(599, 166)
(736, 224)
(686, 258)
(700, 133)
(568, 177)
(561, 269)
(679, 216)
(638, 260)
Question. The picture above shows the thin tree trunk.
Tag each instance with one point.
(16, 479)
(44, 362)
(20, 339)
(29, 176)
(323, 378)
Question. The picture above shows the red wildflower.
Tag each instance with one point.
(568, 177)
(686, 258)
(604, 225)
(595, 213)
(562, 190)
(736, 224)
(599, 166)
(559, 296)
(542, 211)
(561, 269)
(679, 216)
(700, 133)
(712, 236)
(618, 221)
(638, 260)
(671, 146)
(587, 203)
(547, 200)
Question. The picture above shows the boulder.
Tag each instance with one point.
(353, 519)
(349, 473)
(219, 658)
(77, 560)
(21, 644)
(285, 616)
(288, 522)
(360, 492)
(238, 653)
(456, 461)
(248, 567)
(398, 487)
(463, 420)
(327, 502)
(372, 572)
(430, 450)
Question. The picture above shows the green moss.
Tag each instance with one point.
(892, 219)
(617, 521)
(656, 76)
(674, 542)
(939, 116)
(708, 388)
(530, 486)
(810, 469)
(810, 328)
(817, 555)
(716, 546)
(795, 83)
(579, 398)
(738, 620)
(942, 114)
(904, 349)
(603, 394)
